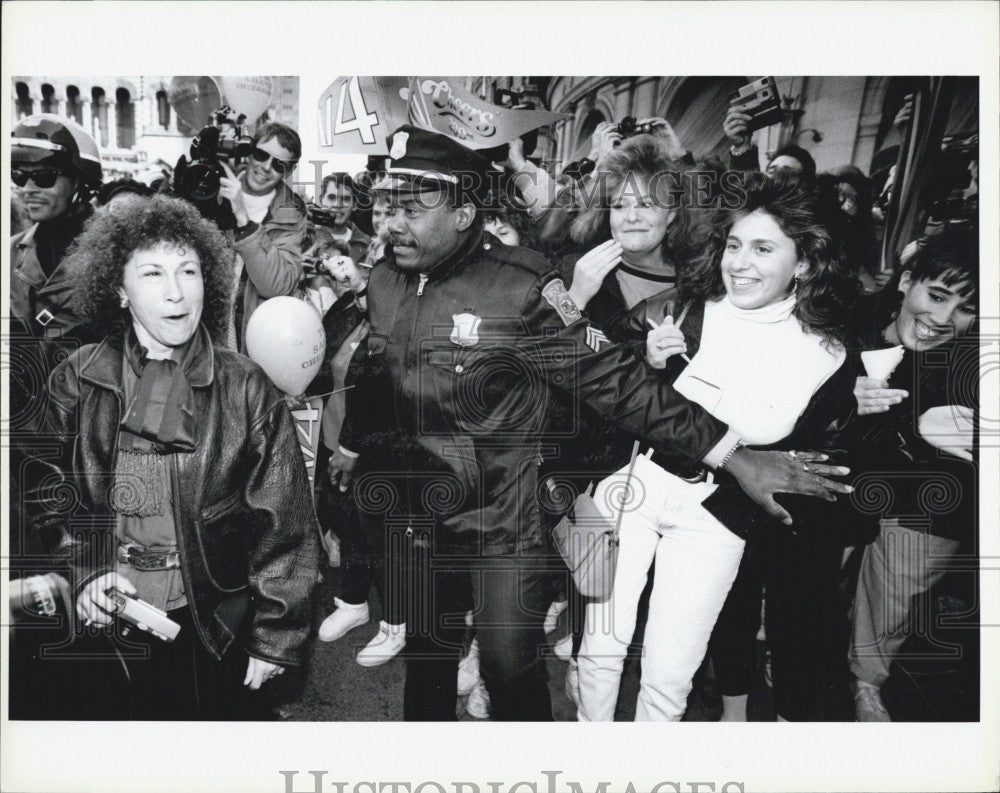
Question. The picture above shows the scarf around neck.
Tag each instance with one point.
(160, 420)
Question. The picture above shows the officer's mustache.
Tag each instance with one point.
(396, 240)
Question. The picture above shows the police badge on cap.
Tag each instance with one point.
(421, 161)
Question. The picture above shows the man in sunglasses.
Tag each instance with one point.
(55, 168)
(270, 221)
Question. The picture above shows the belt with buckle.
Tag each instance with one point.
(139, 557)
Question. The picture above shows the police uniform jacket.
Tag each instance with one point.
(453, 386)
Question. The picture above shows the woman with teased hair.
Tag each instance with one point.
(205, 512)
(638, 205)
(761, 345)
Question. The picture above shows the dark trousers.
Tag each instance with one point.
(366, 557)
(806, 620)
(733, 646)
(103, 675)
(509, 596)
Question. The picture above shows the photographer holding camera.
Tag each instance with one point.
(263, 218)
(332, 218)
(270, 220)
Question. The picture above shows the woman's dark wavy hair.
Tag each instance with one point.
(109, 239)
(951, 257)
(640, 157)
(826, 294)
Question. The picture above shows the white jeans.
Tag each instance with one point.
(696, 562)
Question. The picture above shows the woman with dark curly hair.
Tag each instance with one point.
(205, 512)
(761, 345)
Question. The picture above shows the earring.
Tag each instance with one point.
(124, 301)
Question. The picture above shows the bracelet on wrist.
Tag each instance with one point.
(729, 455)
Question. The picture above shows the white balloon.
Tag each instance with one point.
(285, 336)
(248, 95)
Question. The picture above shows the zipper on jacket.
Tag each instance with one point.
(420, 286)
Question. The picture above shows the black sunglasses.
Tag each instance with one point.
(43, 177)
(280, 166)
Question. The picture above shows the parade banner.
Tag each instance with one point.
(441, 105)
(357, 114)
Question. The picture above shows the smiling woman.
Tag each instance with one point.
(207, 514)
(764, 321)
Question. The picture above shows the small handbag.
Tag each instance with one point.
(587, 540)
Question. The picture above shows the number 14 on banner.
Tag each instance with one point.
(357, 114)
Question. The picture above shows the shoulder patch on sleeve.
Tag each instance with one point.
(557, 296)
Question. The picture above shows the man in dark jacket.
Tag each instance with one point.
(55, 167)
(466, 337)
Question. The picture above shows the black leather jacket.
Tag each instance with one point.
(242, 507)
(454, 378)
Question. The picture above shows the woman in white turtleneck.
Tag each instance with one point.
(764, 323)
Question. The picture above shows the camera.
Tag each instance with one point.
(144, 616)
(628, 127)
(512, 100)
(760, 101)
(321, 216)
(223, 140)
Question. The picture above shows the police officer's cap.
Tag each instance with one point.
(421, 161)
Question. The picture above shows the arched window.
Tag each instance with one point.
(163, 109)
(125, 119)
(99, 112)
(74, 107)
(49, 102)
(25, 104)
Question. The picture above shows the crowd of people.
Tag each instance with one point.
(731, 377)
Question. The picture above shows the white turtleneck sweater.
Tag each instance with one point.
(764, 366)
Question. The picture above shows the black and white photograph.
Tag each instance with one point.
(358, 390)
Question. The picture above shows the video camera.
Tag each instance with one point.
(223, 140)
(628, 127)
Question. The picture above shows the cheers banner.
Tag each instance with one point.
(442, 105)
(357, 114)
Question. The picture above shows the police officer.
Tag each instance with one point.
(466, 337)
(56, 168)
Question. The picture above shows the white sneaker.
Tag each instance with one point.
(387, 643)
(346, 617)
(571, 686)
(868, 705)
(564, 648)
(478, 703)
(468, 670)
(552, 617)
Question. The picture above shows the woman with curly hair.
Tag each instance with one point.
(761, 345)
(204, 512)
